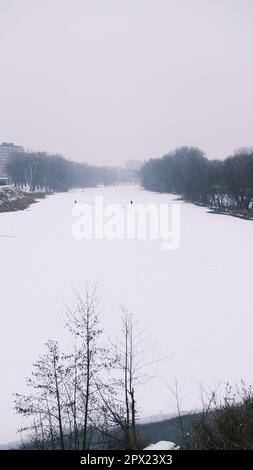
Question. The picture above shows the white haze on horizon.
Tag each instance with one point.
(106, 81)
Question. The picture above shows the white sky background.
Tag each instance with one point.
(108, 80)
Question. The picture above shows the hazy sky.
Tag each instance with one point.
(108, 80)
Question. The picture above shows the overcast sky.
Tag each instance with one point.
(108, 80)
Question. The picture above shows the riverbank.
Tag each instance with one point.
(13, 199)
(239, 215)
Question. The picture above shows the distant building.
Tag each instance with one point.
(6, 151)
(133, 165)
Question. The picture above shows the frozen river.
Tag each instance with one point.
(196, 302)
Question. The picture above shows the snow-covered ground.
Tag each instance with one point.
(197, 301)
(162, 445)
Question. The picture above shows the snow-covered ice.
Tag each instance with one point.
(195, 301)
(162, 445)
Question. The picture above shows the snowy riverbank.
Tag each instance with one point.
(13, 199)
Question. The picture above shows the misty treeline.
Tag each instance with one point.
(220, 184)
(86, 398)
(41, 171)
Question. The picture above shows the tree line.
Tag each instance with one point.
(41, 171)
(225, 185)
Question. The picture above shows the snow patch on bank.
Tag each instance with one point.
(10, 193)
(162, 445)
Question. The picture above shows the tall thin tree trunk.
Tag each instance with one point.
(58, 407)
(87, 391)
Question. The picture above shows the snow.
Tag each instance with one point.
(9, 193)
(196, 302)
(162, 445)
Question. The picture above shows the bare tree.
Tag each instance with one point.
(46, 403)
(89, 395)
(130, 358)
(90, 357)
